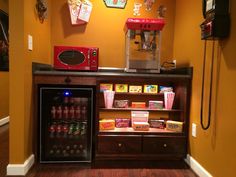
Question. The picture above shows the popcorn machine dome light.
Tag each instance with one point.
(143, 44)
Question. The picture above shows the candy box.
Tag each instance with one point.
(122, 123)
(106, 124)
(121, 103)
(121, 88)
(154, 123)
(156, 104)
(174, 126)
(139, 116)
(165, 89)
(104, 87)
(138, 104)
(150, 88)
(135, 89)
(141, 126)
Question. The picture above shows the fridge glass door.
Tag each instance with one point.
(66, 115)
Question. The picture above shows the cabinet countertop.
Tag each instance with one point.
(181, 73)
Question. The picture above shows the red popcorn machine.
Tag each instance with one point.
(143, 44)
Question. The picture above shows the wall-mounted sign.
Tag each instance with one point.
(115, 3)
(80, 11)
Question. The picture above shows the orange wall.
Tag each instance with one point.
(4, 79)
(105, 29)
(21, 103)
(214, 149)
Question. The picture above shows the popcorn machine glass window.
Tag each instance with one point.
(143, 44)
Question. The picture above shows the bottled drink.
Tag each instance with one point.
(65, 130)
(77, 112)
(66, 100)
(52, 130)
(59, 112)
(51, 152)
(76, 130)
(58, 152)
(53, 112)
(72, 112)
(65, 112)
(67, 147)
(59, 130)
(72, 151)
(75, 146)
(77, 152)
(71, 101)
(71, 129)
(83, 128)
(84, 112)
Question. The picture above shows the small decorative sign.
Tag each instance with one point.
(116, 3)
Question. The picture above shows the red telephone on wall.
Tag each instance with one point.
(215, 26)
(217, 22)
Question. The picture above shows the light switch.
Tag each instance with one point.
(30, 42)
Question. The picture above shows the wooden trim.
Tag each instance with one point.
(196, 167)
(20, 169)
(4, 120)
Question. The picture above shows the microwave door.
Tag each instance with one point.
(72, 58)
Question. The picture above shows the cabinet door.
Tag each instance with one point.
(112, 144)
(164, 145)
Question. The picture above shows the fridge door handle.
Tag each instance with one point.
(67, 80)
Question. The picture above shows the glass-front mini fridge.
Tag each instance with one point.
(65, 123)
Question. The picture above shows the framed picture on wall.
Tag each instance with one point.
(116, 3)
(4, 43)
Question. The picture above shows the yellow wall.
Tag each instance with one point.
(214, 149)
(24, 19)
(106, 29)
(4, 79)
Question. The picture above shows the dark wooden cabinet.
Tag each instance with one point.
(125, 143)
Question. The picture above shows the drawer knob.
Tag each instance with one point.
(164, 145)
(119, 144)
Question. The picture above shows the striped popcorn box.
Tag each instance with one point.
(169, 99)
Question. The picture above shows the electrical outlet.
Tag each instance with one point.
(194, 130)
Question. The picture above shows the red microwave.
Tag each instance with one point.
(76, 58)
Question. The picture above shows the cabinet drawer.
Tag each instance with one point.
(164, 145)
(112, 144)
(70, 80)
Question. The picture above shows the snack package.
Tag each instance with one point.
(154, 123)
(150, 88)
(174, 126)
(135, 89)
(156, 104)
(121, 103)
(138, 105)
(106, 86)
(121, 88)
(141, 126)
(139, 116)
(106, 124)
(122, 123)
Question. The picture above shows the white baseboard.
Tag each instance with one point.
(196, 167)
(20, 169)
(4, 121)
